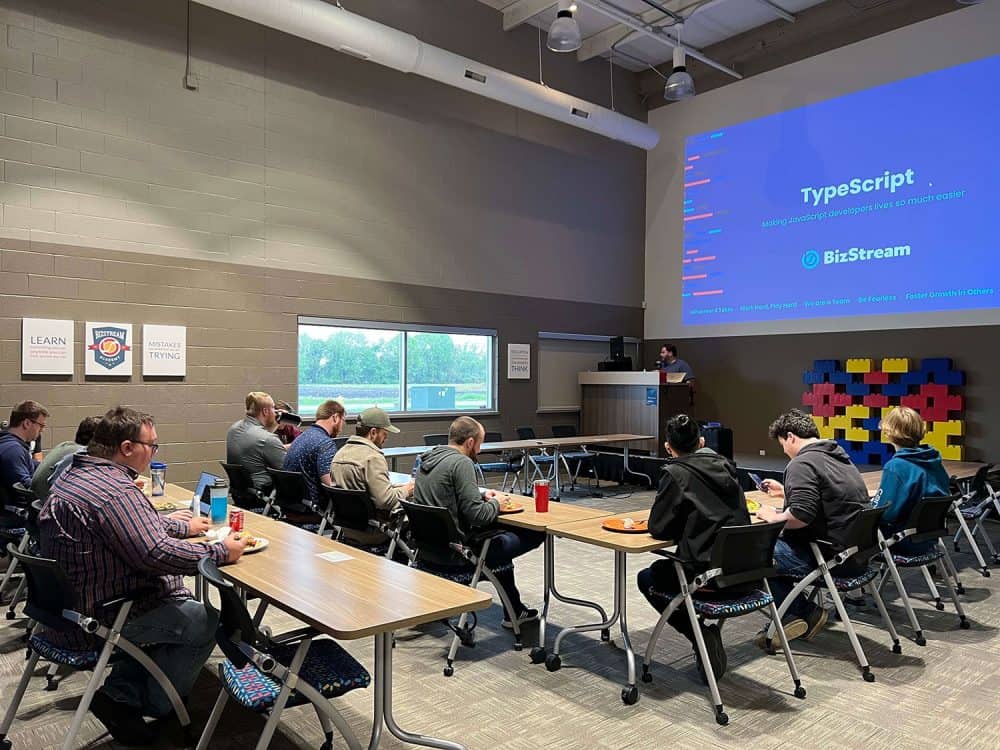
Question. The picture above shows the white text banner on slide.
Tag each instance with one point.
(831, 215)
(164, 350)
(46, 347)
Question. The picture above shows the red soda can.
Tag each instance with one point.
(236, 520)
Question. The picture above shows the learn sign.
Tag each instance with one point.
(46, 347)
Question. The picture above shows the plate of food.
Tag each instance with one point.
(753, 506)
(167, 506)
(508, 506)
(625, 526)
(254, 543)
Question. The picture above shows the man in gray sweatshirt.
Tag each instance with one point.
(447, 479)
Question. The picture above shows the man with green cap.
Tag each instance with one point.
(360, 465)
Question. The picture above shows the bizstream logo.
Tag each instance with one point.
(811, 258)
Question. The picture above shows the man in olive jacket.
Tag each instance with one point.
(447, 479)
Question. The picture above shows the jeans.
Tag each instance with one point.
(662, 577)
(795, 561)
(504, 547)
(179, 636)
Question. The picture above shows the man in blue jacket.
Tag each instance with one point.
(914, 472)
(27, 420)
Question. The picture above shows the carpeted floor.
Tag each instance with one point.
(943, 695)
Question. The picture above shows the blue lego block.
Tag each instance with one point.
(951, 377)
(858, 389)
(826, 365)
(811, 377)
(895, 389)
(871, 424)
(915, 378)
(841, 378)
(938, 364)
(858, 457)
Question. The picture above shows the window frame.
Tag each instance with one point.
(492, 386)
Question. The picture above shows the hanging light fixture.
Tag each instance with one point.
(564, 33)
(680, 84)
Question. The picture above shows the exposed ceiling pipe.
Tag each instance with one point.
(363, 38)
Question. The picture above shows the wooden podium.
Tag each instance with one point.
(631, 402)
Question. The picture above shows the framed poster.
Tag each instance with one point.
(108, 349)
(164, 350)
(518, 361)
(46, 347)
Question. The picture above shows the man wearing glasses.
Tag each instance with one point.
(27, 420)
(110, 541)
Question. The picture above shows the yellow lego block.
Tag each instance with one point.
(859, 412)
(840, 422)
(885, 410)
(859, 365)
(826, 433)
(951, 427)
(901, 364)
(859, 434)
(936, 440)
(953, 452)
(820, 421)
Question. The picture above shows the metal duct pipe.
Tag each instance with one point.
(360, 37)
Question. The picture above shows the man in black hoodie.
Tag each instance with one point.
(824, 493)
(447, 479)
(698, 495)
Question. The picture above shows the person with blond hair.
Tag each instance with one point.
(914, 472)
(251, 441)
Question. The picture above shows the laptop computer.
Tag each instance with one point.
(672, 377)
(205, 481)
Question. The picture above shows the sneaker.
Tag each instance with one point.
(123, 722)
(815, 621)
(795, 627)
(716, 653)
(525, 615)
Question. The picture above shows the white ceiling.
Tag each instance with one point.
(707, 22)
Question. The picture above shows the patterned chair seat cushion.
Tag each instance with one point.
(541, 459)
(578, 456)
(328, 668)
(67, 657)
(713, 609)
(853, 582)
(973, 512)
(913, 561)
(462, 575)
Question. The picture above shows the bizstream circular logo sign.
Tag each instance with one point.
(810, 259)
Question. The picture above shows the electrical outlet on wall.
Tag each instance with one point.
(763, 452)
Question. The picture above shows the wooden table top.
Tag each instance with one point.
(591, 532)
(516, 445)
(558, 514)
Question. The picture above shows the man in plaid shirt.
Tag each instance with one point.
(111, 542)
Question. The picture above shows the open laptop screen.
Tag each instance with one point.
(204, 481)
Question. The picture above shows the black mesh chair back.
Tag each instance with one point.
(351, 509)
(493, 437)
(930, 518)
(863, 534)
(241, 486)
(49, 590)
(289, 487)
(745, 553)
(563, 431)
(339, 442)
(31, 520)
(22, 496)
(979, 486)
(436, 439)
(526, 433)
(432, 532)
(235, 624)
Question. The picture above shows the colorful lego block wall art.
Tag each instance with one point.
(847, 402)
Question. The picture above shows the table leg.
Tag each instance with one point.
(630, 694)
(555, 470)
(383, 702)
(628, 471)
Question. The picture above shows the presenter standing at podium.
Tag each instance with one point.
(668, 362)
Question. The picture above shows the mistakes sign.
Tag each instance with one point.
(164, 350)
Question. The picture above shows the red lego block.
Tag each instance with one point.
(811, 399)
(954, 403)
(824, 410)
(876, 399)
(876, 378)
(841, 399)
(933, 390)
(916, 402)
(826, 389)
(934, 414)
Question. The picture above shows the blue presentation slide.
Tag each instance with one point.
(885, 201)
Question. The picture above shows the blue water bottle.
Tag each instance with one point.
(416, 467)
(219, 492)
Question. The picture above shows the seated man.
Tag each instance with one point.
(698, 495)
(60, 457)
(914, 472)
(824, 493)
(108, 539)
(360, 465)
(251, 441)
(313, 450)
(27, 420)
(447, 479)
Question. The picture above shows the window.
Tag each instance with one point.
(400, 368)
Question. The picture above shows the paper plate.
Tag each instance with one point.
(753, 506)
(507, 509)
(262, 543)
(617, 524)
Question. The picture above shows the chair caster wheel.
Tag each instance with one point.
(537, 655)
(920, 640)
(939, 606)
(326, 746)
(896, 648)
(986, 573)
(448, 671)
(964, 624)
(50, 684)
(553, 662)
(10, 614)
(630, 695)
(721, 718)
(646, 675)
(605, 635)
(868, 676)
(5, 745)
(960, 589)
(518, 646)
(800, 692)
